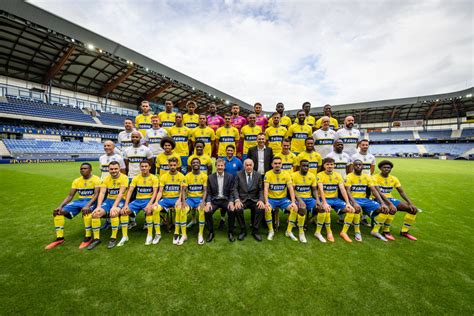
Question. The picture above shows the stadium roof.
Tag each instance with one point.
(38, 46)
(437, 106)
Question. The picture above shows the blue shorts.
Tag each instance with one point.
(394, 201)
(310, 204)
(137, 205)
(337, 204)
(368, 205)
(167, 203)
(108, 203)
(282, 203)
(184, 164)
(75, 207)
(193, 202)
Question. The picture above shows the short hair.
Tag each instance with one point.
(305, 103)
(299, 111)
(154, 116)
(258, 103)
(231, 146)
(145, 102)
(275, 158)
(86, 164)
(168, 140)
(145, 161)
(168, 101)
(220, 160)
(385, 162)
(260, 134)
(286, 140)
(128, 119)
(195, 158)
(357, 160)
(308, 138)
(114, 163)
(173, 159)
(199, 142)
(203, 114)
(327, 159)
(191, 102)
(363, 140)
(304, 160)
(227, 114)
(275, 113)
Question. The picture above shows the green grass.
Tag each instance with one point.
(431, 276)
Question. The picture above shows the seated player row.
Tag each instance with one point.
(305, 196)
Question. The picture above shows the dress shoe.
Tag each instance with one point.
(242, 236)
(257, 236)
(231, 237)
(210, 237)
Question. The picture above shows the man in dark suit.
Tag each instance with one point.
(261, 155)
(248, 193)
(220, 196)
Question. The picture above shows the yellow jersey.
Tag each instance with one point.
(162, 162)
(167, 119)
(171, 184)
(226, 136)
(191, 121)
(310, 121)
(288, 161)
(113, 186)
(285, 121)
(303, 184)
(249, 135)
(330, 183)
(278, 184)
(206, 161)
(205, 135)
(314, 159)
(143, 123)
(144, 185)
(196, 184)
(85, 187)
(298, 134)
(181, 138)
(387, 184)
(275, 136)
(358, 184)
(333, 124)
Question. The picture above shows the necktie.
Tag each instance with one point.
(249, 180)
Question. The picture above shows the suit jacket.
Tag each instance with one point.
(213, 188)
(267, 157)
(243, 192)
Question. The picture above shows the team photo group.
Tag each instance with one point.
(180, 169)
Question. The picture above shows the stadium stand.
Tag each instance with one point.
(112, 119)
(467, 133)
(31, 129)
(29, 107)
(391, 136)
(40, 149)
(435, 135)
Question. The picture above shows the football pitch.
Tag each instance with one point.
(433, 275)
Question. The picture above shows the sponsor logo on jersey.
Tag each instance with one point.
(330, 187)
(250, 138)
(358, 188)
(85, 192)
(172, 187)
(300, 135)
(227, 139)
(277, 187)
(144, 190)
(275, 138)
(180, 138)
(302, 188)
(195, 187)
(323, 142)
(113, 191)
(205, 139)
(167, 124)
(144, 126)
(191, 124)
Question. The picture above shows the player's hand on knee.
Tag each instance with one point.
(302, 211)
(268, 207)
(350, 209)
(114, 212)
(413, 209)
(86, 210)
(260, 205)
(384, 209)
(393, 208)
(230, 206)
(357, 208)
(327, 207)
(208, 207)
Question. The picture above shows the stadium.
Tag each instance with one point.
(65, 91)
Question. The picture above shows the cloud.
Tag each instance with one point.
(293, 51)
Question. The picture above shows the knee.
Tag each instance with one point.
(301, 212)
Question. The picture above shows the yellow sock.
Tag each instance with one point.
(149, 225)
(291, 221)
(320, 222)
(157, 221)
(347, 222)
(177, 221)
(378, 222)
(327, 222)
(356, 222)
(301, 220)
(202, 222)
(124, 222)
(96, 228)
(184, 219)
(115, 222)
(59, 225)
(388, 223)
(87, 224)
(268, 220)
(407, 222)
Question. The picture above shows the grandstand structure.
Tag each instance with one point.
(64, 90)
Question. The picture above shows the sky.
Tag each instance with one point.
(323, 52)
